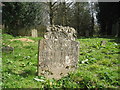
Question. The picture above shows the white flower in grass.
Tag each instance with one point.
(39, 80)
(115, 44)
(84, 60)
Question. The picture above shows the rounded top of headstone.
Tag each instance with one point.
(60, 32)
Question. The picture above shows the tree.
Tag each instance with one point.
(63, 13)
(92, 17)
(51, 10)
(81, 18)
(108, 16)
(17, 15)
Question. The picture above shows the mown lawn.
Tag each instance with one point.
(97, 68)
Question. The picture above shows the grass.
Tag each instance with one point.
(97, 67)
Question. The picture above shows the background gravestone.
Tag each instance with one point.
(34, 33)
(58, 52)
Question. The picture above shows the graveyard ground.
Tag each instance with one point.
(97, 68)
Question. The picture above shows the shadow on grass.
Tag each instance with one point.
(113, 53)
(24, 73)
(113, 39)
(117, 40)
(87, 37)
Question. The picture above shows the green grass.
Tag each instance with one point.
(97, 68)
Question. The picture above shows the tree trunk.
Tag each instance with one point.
(51, 13)
(92, 29)
(92, 20)
(109, 28)
(78, 18)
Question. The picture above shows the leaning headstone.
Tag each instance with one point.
(58, 52)
(34, 33)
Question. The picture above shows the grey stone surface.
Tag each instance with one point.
(55, 32)
(57, 56)
(34, 33)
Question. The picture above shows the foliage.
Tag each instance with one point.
(80, 15)
(108, 16)
(31, 15)
(19, 15)
(81, 18)
(75, 15)
(97, 68)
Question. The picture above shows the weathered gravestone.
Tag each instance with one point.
(7, 49)
(58, 52)
(34, 33)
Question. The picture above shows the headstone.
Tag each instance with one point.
(34, 33)
(58, 52)
(103, 43)
(7, 49)
(87, 33)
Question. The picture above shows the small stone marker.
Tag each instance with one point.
(58, 52)
(34, 33)
(103, 43)
(7, 49)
